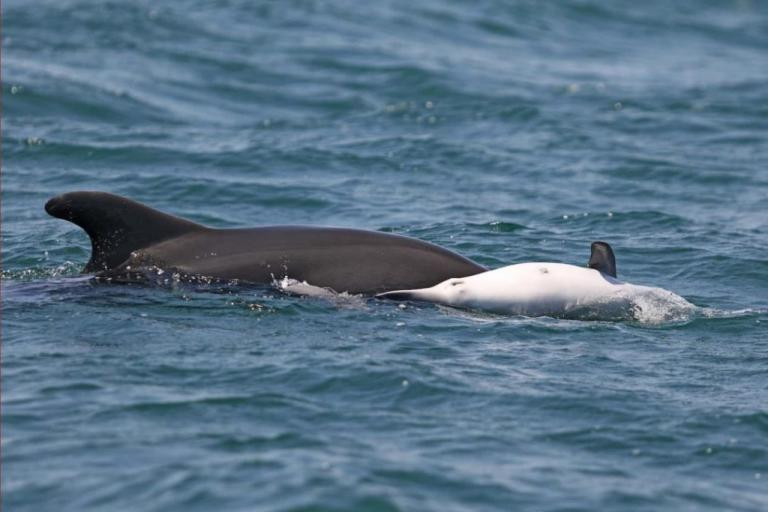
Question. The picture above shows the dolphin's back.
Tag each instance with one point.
(127, 236)
(351, 260)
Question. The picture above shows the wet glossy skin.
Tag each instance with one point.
(127, 237)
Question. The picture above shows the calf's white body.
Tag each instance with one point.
(533, 289)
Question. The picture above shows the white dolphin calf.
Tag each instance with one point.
(544, 289)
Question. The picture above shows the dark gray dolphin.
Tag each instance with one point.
(128, 237)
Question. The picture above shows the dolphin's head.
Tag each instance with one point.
(449, 292)
(452, 291)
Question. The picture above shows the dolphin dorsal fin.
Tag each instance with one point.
(602, 259)
(117, 226)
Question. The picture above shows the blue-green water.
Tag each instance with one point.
(507, 131)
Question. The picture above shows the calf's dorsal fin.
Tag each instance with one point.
(117, 226)
(602, 259)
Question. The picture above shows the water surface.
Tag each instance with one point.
(507, 131)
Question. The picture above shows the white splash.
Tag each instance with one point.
(304, 289)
